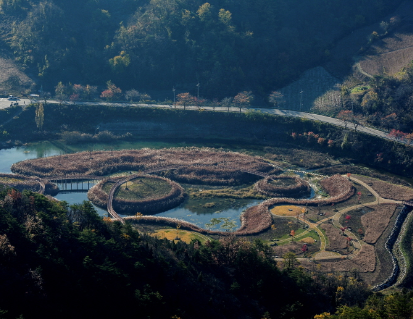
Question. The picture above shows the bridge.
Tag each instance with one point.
(408, 203)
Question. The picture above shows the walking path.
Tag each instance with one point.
(323, 254)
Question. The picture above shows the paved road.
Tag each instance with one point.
(4, 103)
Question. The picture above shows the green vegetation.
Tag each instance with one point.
(397, 305)
(183, 235)
(353, 220)
(382, 101)
(237, 193)
(143, 188)
(47, 246)
(276, 130)
(228, 47)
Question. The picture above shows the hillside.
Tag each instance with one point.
(225, 46)
(65, 262)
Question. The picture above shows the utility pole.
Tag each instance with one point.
(173, 90)
(301, 100)
(198, 85)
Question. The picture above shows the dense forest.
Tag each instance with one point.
(226, 46)
(65, 262)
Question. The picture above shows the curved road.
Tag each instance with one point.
(4, 103)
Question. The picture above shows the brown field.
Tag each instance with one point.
(279, 186)
(390, 54)
(204, 162)
(387, 63)
(387, 190)
(11, 75)
(286, 210)
(376, 221)
(308, 240)
(364, 262)
(336, 241)
(359, 170)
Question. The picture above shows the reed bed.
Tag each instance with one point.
(20, 182)
(203, 162)
(298, 189)
(148, 205)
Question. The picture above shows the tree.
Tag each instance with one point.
(74, 98)
(243, 99)
(112, 92)
(120, 62)
(90, 91)
(389, 120)
(345, 116)
(132, 95)
(45, 96)
(39, 116)
(185, 99)
(60, 92)
(226, 102)
(276, 98)
(290, 261)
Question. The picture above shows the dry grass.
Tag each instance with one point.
(376, 221)
(286, 210)
(308, 240)
(279, 186)
(387, 190)
(336, 241)
(152, 203)
(183, 235)
(390, 54)
(20, 182)
(11, 76)
(364, 262)
(366, 259)
(205, 163)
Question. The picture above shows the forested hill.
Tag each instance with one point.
(226, 45)
(66, 262)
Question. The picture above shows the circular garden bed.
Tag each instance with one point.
(280, 186)
(144, 194)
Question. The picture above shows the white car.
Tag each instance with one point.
(12, 98)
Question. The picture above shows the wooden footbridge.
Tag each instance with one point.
(110, 209)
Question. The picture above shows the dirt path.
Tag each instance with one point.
(323, 253)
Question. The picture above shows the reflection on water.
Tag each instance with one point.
(77, 198)
(199, 218)
(21, 153)
(193, 211)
